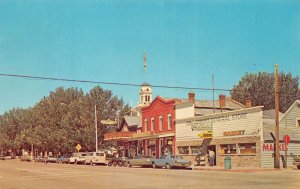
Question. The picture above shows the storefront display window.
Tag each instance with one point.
(248, 148)
(196, 149)
(228, 149)
(183, 149)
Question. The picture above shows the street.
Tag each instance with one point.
(29, 175)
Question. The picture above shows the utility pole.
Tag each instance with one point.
(96, 127)
(277, 158)
(213, 91)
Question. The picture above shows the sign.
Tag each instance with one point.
(234, 133)
(206, 124)
(270, 147)
(286, 139)
(78, 147)
(108, 122)
(206, 135)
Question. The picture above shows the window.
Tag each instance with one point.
(298, 122)
(146, 124)
(248, 148)
(196, 149)
(183, 149)
(169, 121)
(228, 149)
(152, 124)
(160, 123)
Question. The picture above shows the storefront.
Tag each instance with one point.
(236, 133)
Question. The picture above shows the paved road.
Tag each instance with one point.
(26, 175)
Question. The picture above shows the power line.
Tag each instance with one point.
(109, 83)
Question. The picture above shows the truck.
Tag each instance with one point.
(296, 162)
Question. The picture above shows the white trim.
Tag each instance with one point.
(165, 135)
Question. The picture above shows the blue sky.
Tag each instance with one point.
(185, 42)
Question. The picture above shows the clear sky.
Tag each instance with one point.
(185, 42)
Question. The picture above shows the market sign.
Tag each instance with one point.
(206, 135)
(206, 124)
(234, 133)
(270, 147)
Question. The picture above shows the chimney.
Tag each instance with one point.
(192, 97)
(248, 102)
(222, 100)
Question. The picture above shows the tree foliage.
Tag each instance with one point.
(260, 87)
(60, 121)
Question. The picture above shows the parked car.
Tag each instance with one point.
(51, 159)
(26, 157)
(170, 161)
(296, 161)
(78, 158)
(2, 157)
(95, 158)
(64, 158)
(140, 160)
(39, 159)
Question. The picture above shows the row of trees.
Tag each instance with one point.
(60, 121)
(260, 87)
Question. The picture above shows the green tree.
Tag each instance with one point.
(260, 88)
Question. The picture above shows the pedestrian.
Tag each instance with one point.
(211, 156)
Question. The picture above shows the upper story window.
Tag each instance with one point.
(160, 123)
(298, 122)
(152, 124)
(146, 124)
(169, 121)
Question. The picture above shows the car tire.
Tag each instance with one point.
(168, 166)
(75, 162)
(153, 165)
(298, 166)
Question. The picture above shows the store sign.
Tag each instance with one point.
(207, 124)
(206, 135)
(270, 147)
(234, 133)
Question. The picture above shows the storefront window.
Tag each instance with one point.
(248, 148)
(183, 149)
(228, 148)
(196, 149)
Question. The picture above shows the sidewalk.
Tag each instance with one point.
(233, 169)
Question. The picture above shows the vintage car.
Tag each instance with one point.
(51, 159)
(140, 160)
(64, 158)
(39, 159)
(26, 157)
(78, 157)
(170, 161)
(296, 161)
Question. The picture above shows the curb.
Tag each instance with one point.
(236, 170)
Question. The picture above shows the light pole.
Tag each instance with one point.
(96, 127)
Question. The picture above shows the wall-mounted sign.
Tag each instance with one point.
(234, 133)
(207, 124)
(270, 147)
(206, 135)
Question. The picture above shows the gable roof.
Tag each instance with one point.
(133, 121)
(297, 102)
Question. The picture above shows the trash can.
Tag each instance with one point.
(227, 162)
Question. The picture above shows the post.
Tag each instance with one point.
(31, 151)
(285, 155)
(277, 155)
(96, 128)
(213, 91)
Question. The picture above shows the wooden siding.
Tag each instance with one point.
(289, 120)
(267, 161)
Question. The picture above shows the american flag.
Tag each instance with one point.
(145, 61)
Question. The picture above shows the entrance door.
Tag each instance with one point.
(212, 148)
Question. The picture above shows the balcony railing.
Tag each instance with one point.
(118, 135)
